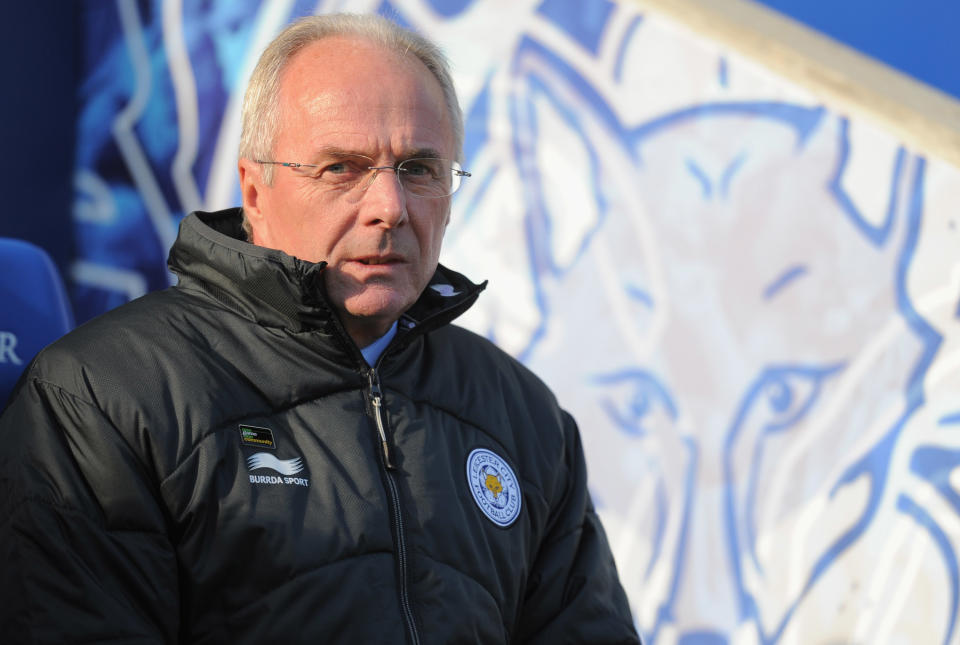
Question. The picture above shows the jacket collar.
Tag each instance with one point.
(279, 290)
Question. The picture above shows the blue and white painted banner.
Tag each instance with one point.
(748, 299)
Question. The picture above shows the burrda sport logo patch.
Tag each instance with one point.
(494, 486)
(285, 468)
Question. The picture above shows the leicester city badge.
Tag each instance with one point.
(494, 486)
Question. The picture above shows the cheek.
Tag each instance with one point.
(303, 224)
(434, 228)
(432, 240)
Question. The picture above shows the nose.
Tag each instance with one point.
(384, 200)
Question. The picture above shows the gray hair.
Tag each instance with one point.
(261, 116)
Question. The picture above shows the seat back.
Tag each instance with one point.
(34, 310)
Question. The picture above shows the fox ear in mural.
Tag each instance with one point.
(747, 354)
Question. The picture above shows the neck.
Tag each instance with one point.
(365, 331)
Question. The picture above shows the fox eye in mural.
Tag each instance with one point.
(784, 395)
(635, 400)
(779, 398)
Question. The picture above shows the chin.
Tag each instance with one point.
(372, 306)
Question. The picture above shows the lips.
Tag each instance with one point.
(376, 260)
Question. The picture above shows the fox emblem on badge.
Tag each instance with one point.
(493, 484)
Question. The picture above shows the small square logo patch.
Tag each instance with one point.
(257, 437)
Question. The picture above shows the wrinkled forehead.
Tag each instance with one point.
(351, 83)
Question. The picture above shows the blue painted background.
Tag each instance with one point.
(918, 38)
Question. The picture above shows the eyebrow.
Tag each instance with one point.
(334, 151)
(418, 153)
(783, 280)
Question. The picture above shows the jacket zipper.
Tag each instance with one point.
(376, 401)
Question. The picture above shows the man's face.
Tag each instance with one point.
(344, 95)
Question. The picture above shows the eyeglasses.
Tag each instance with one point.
(425, 177)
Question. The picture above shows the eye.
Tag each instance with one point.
(786, 394)
(421, 168)
(343, 171)
(336, 168)
(635, 400)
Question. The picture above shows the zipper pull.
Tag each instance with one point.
(376, 400)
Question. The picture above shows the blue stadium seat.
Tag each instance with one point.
(34, 311)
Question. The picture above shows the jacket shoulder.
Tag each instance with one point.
(124, 342)
(472, 354)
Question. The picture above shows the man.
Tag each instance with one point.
(293, 444)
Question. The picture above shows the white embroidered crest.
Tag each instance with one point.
(494, 486)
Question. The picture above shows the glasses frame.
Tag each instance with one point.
(455, 167)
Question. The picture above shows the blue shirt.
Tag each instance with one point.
(372, 351)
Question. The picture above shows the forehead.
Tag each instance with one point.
(355, 94)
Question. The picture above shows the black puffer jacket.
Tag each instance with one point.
(206, 464)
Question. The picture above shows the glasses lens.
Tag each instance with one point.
(429, 177)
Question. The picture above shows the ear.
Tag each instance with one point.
(251, 189)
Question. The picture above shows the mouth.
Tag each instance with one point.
(378, 260)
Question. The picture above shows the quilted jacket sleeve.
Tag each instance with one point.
(573, 593)
(84, 551)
